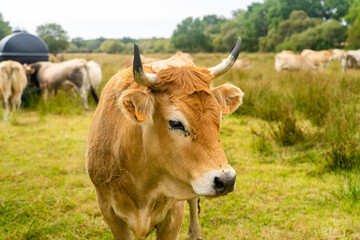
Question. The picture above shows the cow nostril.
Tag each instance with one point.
(219, 186)
(224, 184)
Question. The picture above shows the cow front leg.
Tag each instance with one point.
(118, 227)
(194, 226)
(169, 228)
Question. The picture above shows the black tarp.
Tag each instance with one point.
(24, 48)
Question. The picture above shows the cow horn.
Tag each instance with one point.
(140, 77)
(225, 65)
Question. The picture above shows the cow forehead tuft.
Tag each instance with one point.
(183, 80)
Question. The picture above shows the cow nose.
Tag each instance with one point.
(224, 184)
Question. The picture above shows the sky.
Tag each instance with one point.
(90, 19)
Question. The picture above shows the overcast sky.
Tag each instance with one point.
(90, 19)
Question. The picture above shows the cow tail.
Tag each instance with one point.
(93, 92)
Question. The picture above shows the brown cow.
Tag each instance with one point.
(13, 81)
(154, 142)
(183, 59)
(318, 58)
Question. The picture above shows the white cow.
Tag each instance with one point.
(352, 60)
(13, 81)
(287, 60)
(73, 74)
(95, 74)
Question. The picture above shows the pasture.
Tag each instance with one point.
(294, 144)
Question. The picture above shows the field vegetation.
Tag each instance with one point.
(294, 144)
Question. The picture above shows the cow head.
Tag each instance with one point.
(31, 72)
(180, 116)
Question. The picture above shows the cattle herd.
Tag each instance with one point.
(310, 60)
(154, 139)
(76, 75)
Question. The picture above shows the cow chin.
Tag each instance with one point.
(215, 183)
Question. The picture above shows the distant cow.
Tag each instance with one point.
(154, 142)
(13, 81)
(72, 74)
(352, 59)
(318, 58)
(95, 74)
(286, 60)
(179, 59)
(145, 60)
(337, 54)
(242, 64)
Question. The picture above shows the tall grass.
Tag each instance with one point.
(300, 122)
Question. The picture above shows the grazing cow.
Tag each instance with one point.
(95, 74)
(179, 59)
(293, 62)
(13, 81)
(154, 142)
(318, 58)
(339, 54)
(242, 64)
(145, 60)
(351, 60)
(72, 74)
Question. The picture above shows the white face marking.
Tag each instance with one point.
(205, 185)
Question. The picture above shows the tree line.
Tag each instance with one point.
(273, 25)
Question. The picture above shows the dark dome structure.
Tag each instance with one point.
(24, 48)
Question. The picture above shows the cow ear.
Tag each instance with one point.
(229, 97)
(137, 105)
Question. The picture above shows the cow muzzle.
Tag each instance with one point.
(215, 183)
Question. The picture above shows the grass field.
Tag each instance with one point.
(294, 144)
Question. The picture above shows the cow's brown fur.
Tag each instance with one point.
(141, 170)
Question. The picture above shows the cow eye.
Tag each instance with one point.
(176, 124)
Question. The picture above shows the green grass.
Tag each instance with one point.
(283, 147)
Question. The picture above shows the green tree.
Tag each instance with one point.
(353, 18)
(5, 28)
(298, 22)
(112, 46)
(55, 37)
(329, 34)
(190, 36)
